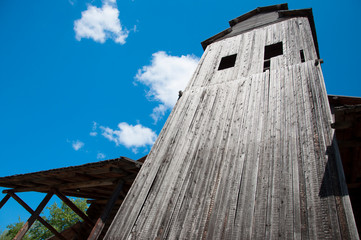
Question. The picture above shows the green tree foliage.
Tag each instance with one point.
(12, 230)
(60, 217)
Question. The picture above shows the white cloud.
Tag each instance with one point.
(130, 136)
(159, 112)
(135, 28)
(101, 24)
(100, 156)
(77, 145)
(93, 133)
(94, 127)
(165, 76)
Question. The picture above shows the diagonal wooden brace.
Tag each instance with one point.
(4, 200)
(73, 207)
(32, 218)
(35, 215)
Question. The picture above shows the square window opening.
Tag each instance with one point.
(227, 62)
(273, 50)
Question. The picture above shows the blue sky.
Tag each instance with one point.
(83, 81)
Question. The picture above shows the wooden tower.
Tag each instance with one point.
(248, 151)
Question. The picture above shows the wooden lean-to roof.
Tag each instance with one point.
(92, 180)
(263, 16)
(105, 185)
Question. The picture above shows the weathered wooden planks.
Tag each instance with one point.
(245, 154)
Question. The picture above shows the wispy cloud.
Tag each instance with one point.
(101, 24)
(165, 76)
(159, 112)
(130, 136)
(93, 133)
(101, 156)
(135, 28)
(77, 145)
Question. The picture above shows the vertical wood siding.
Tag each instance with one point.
(245, 154)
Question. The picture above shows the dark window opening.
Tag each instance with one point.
(266, 65)
(302, 56)
(271, 51)
(227, 62)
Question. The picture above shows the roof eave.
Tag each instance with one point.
(283, 12)
(258, 10)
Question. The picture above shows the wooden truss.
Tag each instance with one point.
(104, 183)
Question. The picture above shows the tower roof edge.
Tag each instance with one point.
(268, 15)
(256, 11)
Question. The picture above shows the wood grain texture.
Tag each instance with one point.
(245, 154)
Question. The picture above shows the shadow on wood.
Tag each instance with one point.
(333, 178)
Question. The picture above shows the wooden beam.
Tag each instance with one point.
(83, 194)
(355, 142)
(353, 185)
(84, 184)
(103, 201)
(40, 219)
(33, 217)
(341, 125)
(73, 207)
(119, 171)
(318, 61)
(99, 225)
(4, 200)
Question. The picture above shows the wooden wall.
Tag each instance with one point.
(253, 22)
(245, 153)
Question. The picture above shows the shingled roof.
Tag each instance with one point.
(105, 185)
(263, 16)
(77, 181)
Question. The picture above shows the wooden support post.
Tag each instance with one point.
(99, 225)
(33, 217)
(73, 207)
(4, 200)
(40, 219)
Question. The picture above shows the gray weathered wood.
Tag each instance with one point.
(245, 154)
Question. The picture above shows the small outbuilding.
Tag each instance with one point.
(105, 185)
